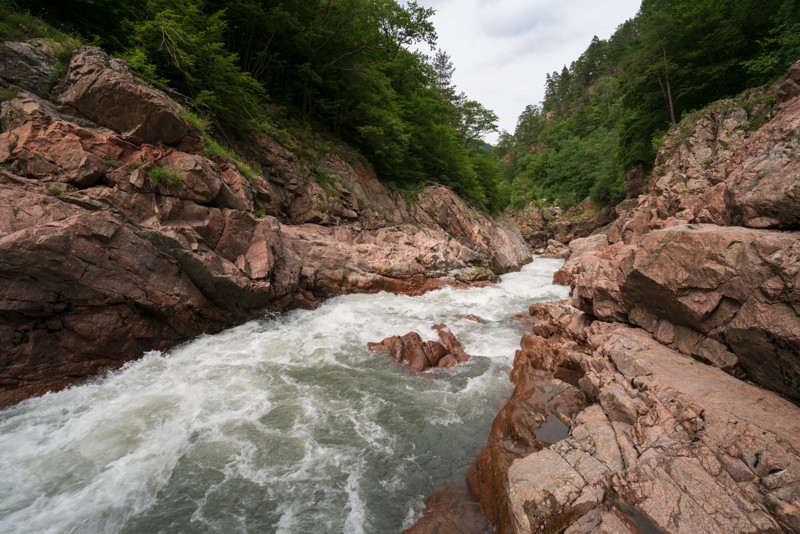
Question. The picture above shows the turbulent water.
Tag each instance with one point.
(283, 424)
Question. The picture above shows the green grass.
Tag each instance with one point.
(157, 175)
(326, 182)
(53, 190)
(214, 149)
(7, 94)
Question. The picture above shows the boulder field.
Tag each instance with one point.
(119, 234)
(663, 396)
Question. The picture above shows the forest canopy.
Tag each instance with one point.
(609, 109)
(351, 68)
(347, 67)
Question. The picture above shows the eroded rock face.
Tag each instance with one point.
(542, 228)
(665, 442)
(114, 242)
(30, 63)
(763, 182)
(104, 91)
(695, 288)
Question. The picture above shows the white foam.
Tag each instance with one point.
(294, 407)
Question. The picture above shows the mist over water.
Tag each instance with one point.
(282, 425)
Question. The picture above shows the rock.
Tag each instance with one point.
(422, 355)
(451, 510)
(577, 249)
(534, 223)
(28, 64)
(669, 445)
(635, 179)
(448, 361)
(104, 91)
(790, 87)
(762, 188)
(498, 239)
(737, 286)
(451, 343)
(539, 401)
(597, 278)
(556, 249)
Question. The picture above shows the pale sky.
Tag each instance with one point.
(502, 49)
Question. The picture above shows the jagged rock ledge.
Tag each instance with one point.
(630, 411)
(119, 235)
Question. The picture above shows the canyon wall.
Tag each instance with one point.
(672, 376)
(119, 233)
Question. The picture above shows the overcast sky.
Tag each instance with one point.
(502, 49)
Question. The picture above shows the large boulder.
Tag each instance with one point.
(104, 91)
(739, 287)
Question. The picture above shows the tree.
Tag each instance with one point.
(474, 121)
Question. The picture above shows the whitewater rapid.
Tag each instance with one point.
(286, 424)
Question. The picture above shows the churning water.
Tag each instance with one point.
(286, 424)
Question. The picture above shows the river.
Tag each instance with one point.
(285, 424)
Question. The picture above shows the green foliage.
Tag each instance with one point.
(344, 66)
(7, 93)
(53, 190)
(158, 174)
(213, 149)
(609, 109)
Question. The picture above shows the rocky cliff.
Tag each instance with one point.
(662, 397)
(119, 234)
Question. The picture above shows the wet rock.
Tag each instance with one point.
(451, 510)
(451, 343)
(422, 355)
(539, 401)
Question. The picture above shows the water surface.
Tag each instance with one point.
(284, 424)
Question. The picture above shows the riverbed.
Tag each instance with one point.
(285, 424)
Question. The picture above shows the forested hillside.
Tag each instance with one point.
(608, 111)
(346, 68)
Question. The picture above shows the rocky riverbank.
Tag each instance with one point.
(662, 397)
(119, 233)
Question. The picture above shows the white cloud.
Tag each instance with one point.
(502, 49)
